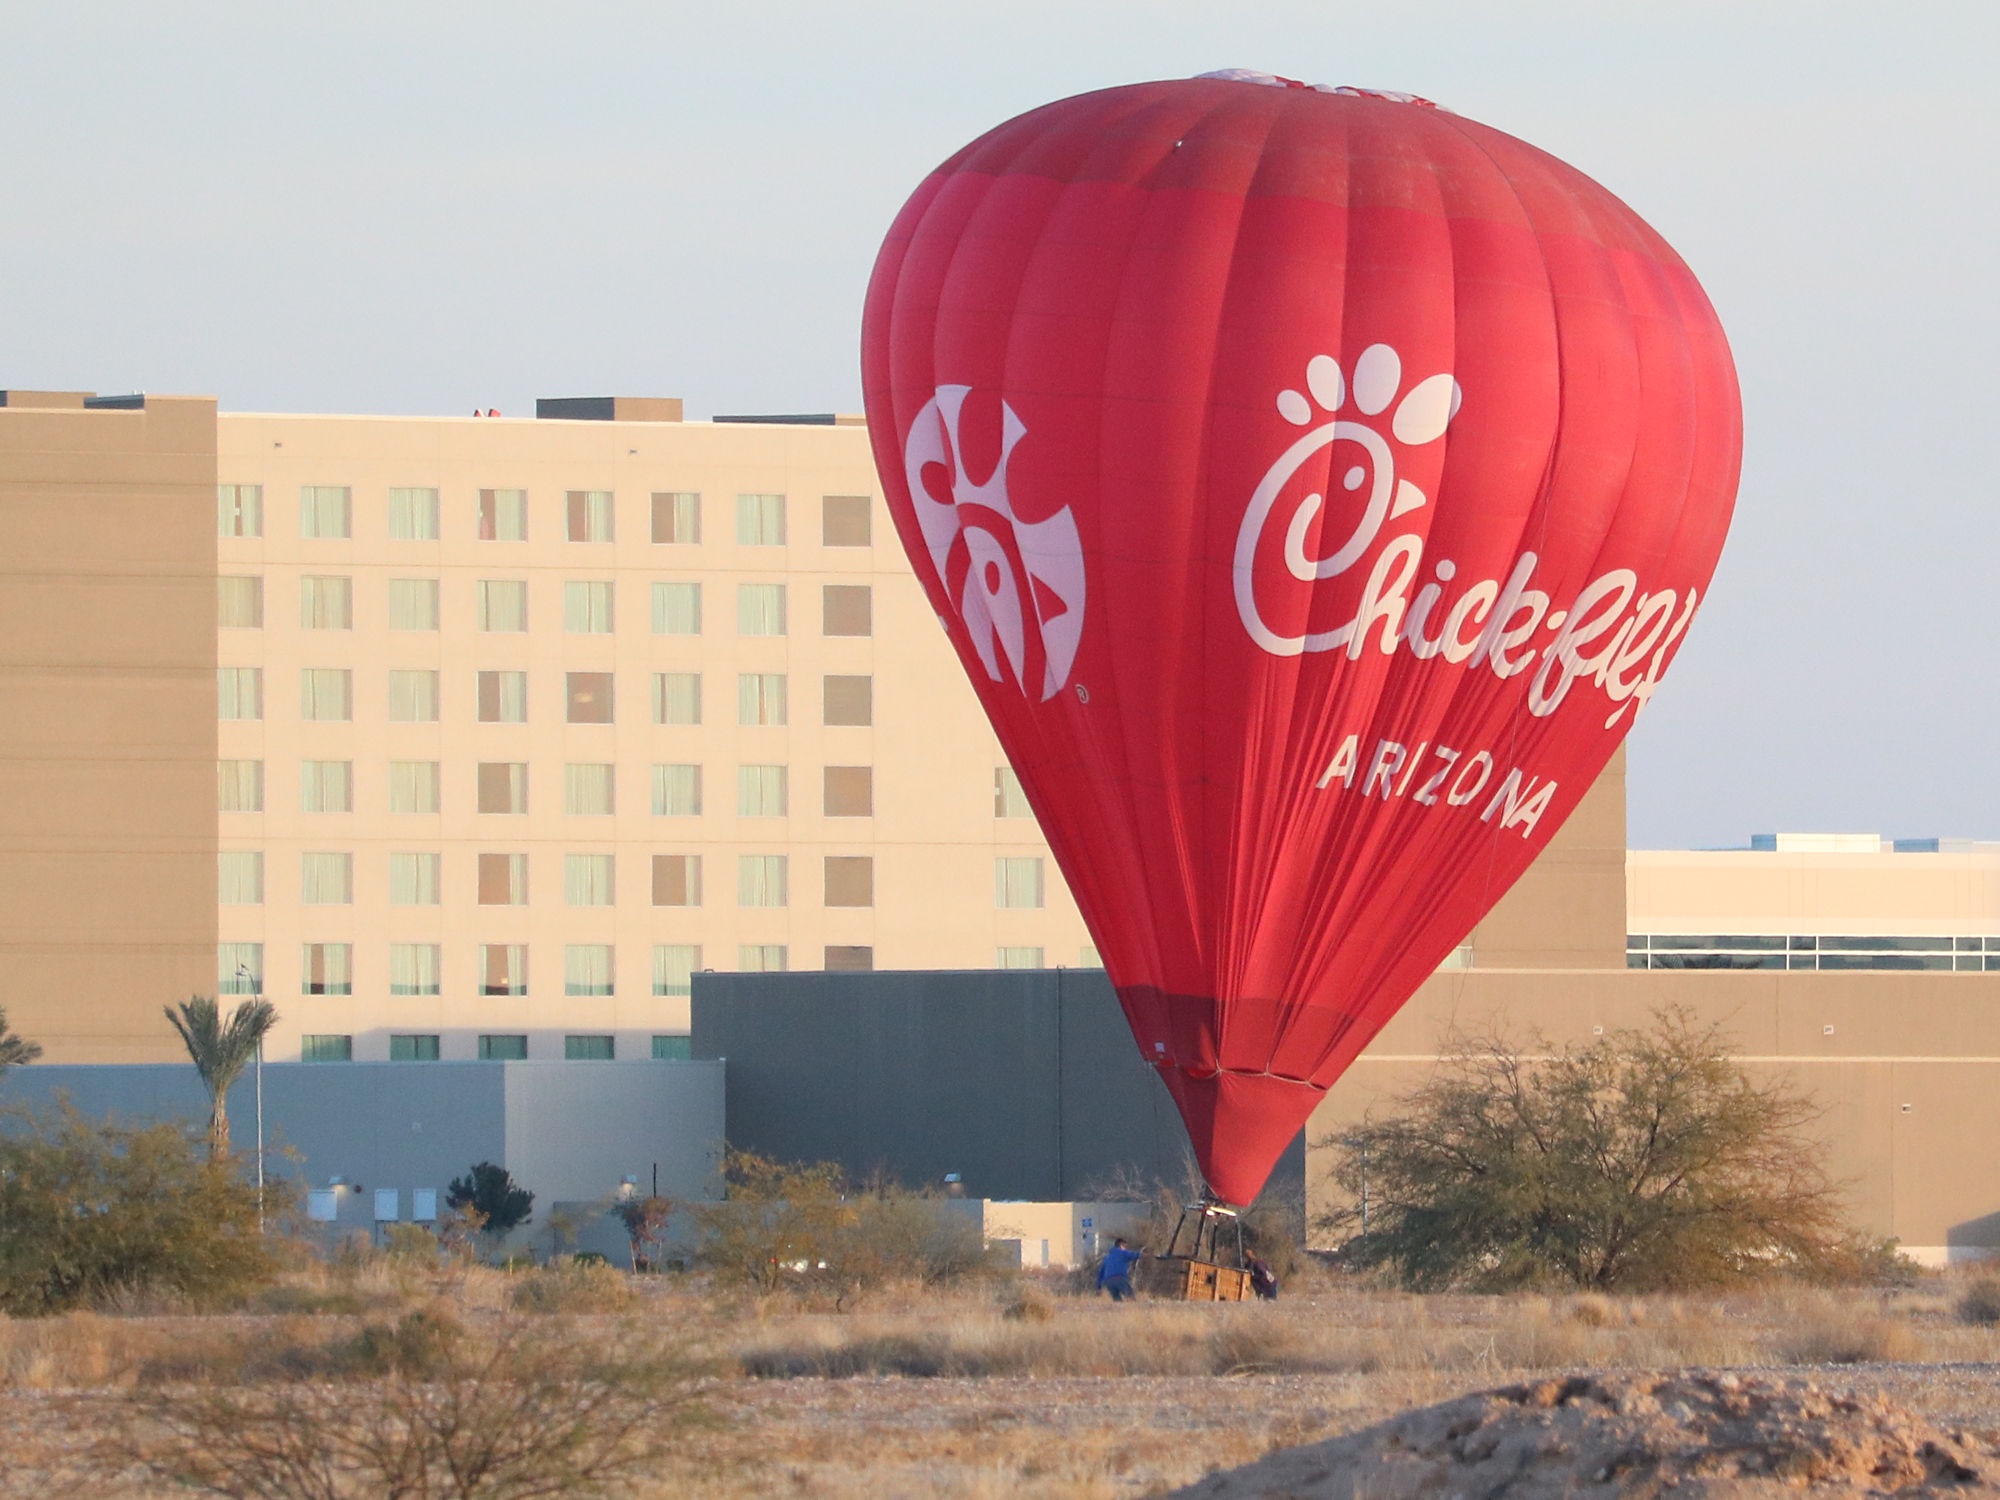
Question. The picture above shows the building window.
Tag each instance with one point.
(1017, 881)
(239, 510)
(240, 785)
(1017, 958)
(239, 968)
(503, 1048)
(502, 604)
(239, 692)
(762, 958)
(587, 607)
(847, 700)
(587, 880)
(1009, 801)
(590, 515)
(413, 786)
(320, 1048)
(326, 786)
(240, 877)
(588, 697)
(326, 694)
(850, 880)
(676, 880)
(677, 518)
(413, 515)
(503, 515)
(761, 879)
(503, 968)
(677, 791)
(413, 697)
(327, 969)
(760, 520)
(415, 879)
(413, 604)
(673, 968)
(760, 609)
(761, 792)
(844, 520)
(503, 880)
(849, 792)
(848, 958)
(673, 1047)
(503, 697)
(587, 969)
(326, 879)
(326, 511)
(503, 787)
(760, 698)
(239, 602)
(422, 1047)
(677, 697)
(326, 602)
(676, 609)
(847, 609)
(589, 1049)
(414, 968)
(588, 790)
(1087, 957)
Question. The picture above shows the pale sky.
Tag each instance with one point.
(420, 208)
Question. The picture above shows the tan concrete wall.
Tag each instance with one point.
(933, 836)
(1905, 1066)
(1568, 910)
(107, 723)
(1743, 891)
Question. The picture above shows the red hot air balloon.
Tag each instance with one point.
(1315, 484)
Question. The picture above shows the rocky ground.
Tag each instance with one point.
(1692, 1434)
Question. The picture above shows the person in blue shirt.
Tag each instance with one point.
(1114, 1274)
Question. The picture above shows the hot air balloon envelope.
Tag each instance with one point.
(1315, 484)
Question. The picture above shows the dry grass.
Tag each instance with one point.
(1020, 1390)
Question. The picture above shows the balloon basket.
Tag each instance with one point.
(1204, 1260)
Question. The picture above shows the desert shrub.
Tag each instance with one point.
(1980, 1302)
(93, 1212)
(516, 1409)
(898, 1236)
(1643, 1159)
(410, 1243)
(1030, 1305)
(572, 1286)
(420, 1345)
(645, 1222)
(1834, 1337)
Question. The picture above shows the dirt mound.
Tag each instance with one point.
(1692, 1435)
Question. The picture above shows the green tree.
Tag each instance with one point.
(494, 1193)
(15, 1049)
(220, 1050)
(91, 1209)
(1647, 1158)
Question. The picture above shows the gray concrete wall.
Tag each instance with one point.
(1025, 1082)
(567, 1131)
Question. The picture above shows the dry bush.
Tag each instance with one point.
(1837, 1339)
(1980, 1302)
(1032, 1305)
(572, 1286)
(421, 1408)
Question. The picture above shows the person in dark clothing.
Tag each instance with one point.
(1114, 1273)
(1263, 1280)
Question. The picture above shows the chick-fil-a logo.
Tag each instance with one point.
(1611, 635)
(1017, 584)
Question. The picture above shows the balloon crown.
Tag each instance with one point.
(1274, 80)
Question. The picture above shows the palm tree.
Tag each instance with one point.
(14, 1048)
(220, 1051)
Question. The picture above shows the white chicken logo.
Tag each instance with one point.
(1018, 585)
(1421, 417)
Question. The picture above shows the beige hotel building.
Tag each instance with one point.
(513, 725)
